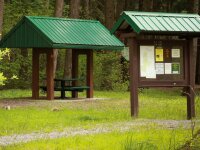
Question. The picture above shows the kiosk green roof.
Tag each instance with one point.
(158, 23)
(49, 32)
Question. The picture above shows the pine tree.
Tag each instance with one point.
(74, 13)
(58, 12)
(110, 14)
(1, 17)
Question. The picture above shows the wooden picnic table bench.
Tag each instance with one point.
(63, 85)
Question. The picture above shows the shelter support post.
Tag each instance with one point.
(74, 71)
(49, 73)
(90, 73)
(35, 73)
(134, 75)
(191, 94)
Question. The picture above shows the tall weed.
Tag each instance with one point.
(131, 144)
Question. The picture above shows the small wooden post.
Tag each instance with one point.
(35, 73)
(191, 95)
(90, 73)
(49, 73)
(134, 75)
(74, 71)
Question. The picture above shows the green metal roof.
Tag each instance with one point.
(159, 23)
(49, 32)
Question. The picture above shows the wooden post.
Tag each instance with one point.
(90, 73)
(74, 71)
(35, 73)
(134, 75)
(49, 73)
(191, 95)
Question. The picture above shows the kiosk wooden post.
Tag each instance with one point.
(134, 76)
(191, 80)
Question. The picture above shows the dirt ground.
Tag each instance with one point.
(14, 103)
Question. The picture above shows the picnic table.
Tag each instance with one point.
(63, 85)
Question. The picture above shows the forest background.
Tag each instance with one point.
(110, 68)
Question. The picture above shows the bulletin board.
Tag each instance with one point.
(162, 60)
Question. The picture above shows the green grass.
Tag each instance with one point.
(145, 138)
(162, 105)
(28, 116)
(23, 120)
(14, 93)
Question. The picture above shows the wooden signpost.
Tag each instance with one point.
(169, 64)
(161, 53)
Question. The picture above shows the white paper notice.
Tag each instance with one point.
(159, 68)
(147, 62)
(176, 53)
(168, 68)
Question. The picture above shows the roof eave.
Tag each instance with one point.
(93, 47)
(172, 33)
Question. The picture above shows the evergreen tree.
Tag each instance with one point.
(58, 12)
(74, 13)
(1, 17)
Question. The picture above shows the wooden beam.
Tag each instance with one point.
(35, 73)
(134, 75)
(191, 94)
(128, 35)
(90, 73)
(49, 73)
(75, 54)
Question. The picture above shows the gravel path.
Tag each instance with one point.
(101, 128)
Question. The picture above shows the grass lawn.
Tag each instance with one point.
(27, 116)
(144, 138)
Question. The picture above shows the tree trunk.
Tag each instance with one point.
(196, 6)
(147, 5)
(59, 4)
(109, 14)
(86, 6)
(120, 8)
(131, 4)
(74, 8)
(140, 5)
(156, 5)
(74, 13)
(1, 17)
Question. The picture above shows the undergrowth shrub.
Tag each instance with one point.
(110, 72)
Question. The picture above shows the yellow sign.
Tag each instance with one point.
(159, 55)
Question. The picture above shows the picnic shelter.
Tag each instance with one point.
(44, 34)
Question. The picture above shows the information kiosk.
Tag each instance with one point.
(161, 52)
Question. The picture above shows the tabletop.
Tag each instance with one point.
(71, 79)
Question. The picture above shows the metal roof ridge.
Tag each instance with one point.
(142, 13)
(64, 19)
